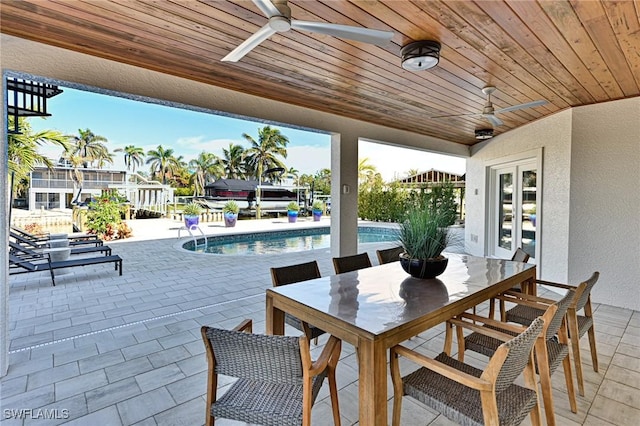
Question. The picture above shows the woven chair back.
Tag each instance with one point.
(520, 255)
(295, 273)
(518, 356)
(556, 322)
(389, 255)
(351, 263)
(584, 296)
(273, 359)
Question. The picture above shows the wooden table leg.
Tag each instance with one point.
(372, 385)
(275, 318)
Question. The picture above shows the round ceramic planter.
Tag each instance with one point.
(190, 221)
(423, 268)
(317, 215)
(292, 215)
(230, 219)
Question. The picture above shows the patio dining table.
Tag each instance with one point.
(379, 307)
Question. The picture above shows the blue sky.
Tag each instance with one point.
(126, 122)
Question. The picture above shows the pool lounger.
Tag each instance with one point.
(31, 263)
(26, 247)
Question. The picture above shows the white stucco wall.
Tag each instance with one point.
(553, 135)
(590, 196)
(604, 231)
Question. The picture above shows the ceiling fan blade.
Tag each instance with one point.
(364, 35)
(246, 46)
(267, 8)
(523, 106)
(454, 115)
(495, 121)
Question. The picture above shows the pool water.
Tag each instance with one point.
(282, 241)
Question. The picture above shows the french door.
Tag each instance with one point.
(515, 217)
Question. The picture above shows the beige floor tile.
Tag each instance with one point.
(614, 412)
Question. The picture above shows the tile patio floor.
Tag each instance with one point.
(103, 349)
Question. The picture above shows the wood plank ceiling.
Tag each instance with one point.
(570, 53)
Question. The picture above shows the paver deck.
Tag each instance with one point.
(120, 350)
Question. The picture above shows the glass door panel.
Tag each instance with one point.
(505, 210)
(515, 219)
(529, 216)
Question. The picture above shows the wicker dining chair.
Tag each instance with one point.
(277, 382)
(518, 256)
(389, 255)
(471, 396)
(556, 342)
(351, 263)
(292, 274)
(578, 324)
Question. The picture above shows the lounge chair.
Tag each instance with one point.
(19, 264)
(20, 246)
(73, 240)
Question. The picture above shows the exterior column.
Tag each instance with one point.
(4, 237)
(344, 194)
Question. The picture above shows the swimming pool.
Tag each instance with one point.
(282, 241)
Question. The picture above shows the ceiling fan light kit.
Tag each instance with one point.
(484, 134)
(420, 55)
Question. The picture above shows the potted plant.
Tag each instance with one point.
(292, 211)
(424, 234)
(191, 213)
(230, 213)
(317, 208)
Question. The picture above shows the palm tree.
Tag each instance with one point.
(160, 161)
(205, 167)
(412, 172)
(23, 152)
(263, 154)
(76, 175)
(233, 161)
(133, 156)
(366, 171)
(90, 148)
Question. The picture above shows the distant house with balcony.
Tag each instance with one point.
(54, 189)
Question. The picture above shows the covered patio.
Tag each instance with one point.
(581, 57)
(127, 350)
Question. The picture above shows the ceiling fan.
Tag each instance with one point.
(489, 113)
(280, 21)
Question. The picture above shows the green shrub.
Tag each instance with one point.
(231, 206)
(104, 216)
(293, 206)
(192, 209)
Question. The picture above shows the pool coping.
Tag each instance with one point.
(387, 228)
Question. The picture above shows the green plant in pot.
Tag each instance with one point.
(292, 211)
(424, 234)
(230, 213)
(317, 208)
(191, 213)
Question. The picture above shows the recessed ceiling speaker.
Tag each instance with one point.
(483, 134)
(420, 55)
